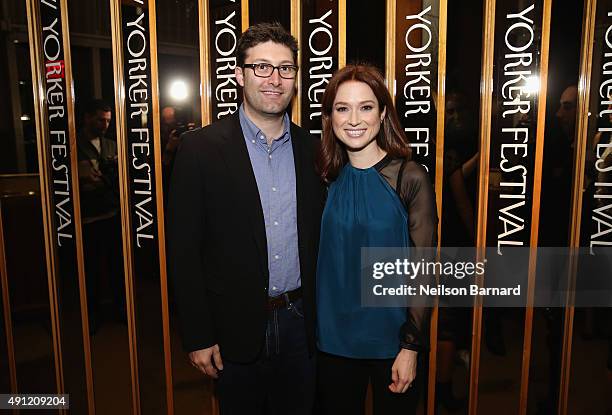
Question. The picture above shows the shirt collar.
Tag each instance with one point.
(252, 132)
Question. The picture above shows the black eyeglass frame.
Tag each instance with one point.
(253, 65)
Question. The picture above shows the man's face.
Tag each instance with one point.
(168, 116)
(456, 115)
(265, 97)
(98, 123)
(452, 116)
(567, 111)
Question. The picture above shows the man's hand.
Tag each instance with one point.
(403, 371)
(89, 175)
(203, 360)
(173, 141)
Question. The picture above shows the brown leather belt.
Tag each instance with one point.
(283, 300)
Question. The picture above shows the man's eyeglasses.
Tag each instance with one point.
(265, 70)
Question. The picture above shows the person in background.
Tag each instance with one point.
(99, 193)
(172, 125)
(169, 136)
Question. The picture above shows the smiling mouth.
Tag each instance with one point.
(355, 133)
(272, 93)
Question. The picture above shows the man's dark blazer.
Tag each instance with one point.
(217, 250)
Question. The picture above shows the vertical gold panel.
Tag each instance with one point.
(159, 194)
(245, 14)
(144, 249)
(51, 71)
(77, 210)
(390, 47)
(507, 192)
(582, 124)
(126, 222)
(296, 31)
(439, 180)
(204, 34)
(341, 34)
(440, 106)
(399, 52)
(486, 95)
(36, 60)
(535, 212)
(6, 309)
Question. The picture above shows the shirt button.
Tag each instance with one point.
(270, 156)
(276, 256)
(274, 189)
(274, 288)
(263, 137)
(253, 141)
(275, 223)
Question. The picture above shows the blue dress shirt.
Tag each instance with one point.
(274, 170)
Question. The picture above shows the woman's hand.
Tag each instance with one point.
(403, 371)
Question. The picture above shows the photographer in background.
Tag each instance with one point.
(99, 189)
(173, 123)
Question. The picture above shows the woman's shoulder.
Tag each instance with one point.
(405, 170)
(412, 177)
(414, 171)
(412, 165)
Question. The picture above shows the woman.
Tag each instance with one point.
(377, 196)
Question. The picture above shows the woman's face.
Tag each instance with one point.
(356, 116)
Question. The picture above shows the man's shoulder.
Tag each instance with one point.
(108, 142)
(301, 131)
(223, 125)
(211, 133)
(304, 137)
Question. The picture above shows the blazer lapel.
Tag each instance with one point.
(88, 149)
(241, 171)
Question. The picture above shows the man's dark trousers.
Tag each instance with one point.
(282, 379)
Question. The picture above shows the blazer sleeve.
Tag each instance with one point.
(418, 196)
(185, 237)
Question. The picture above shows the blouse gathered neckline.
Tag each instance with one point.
(376, 166)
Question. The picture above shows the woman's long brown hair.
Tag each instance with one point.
(391, 138)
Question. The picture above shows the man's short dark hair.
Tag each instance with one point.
(95, 105)
(262, 33)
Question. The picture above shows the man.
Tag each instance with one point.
(244, 216)
(98, 184)
(169, 143)
(557, 168)
(168, 139)
(566, 114)
(170, 127)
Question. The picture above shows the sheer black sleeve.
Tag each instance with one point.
(417, 194)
